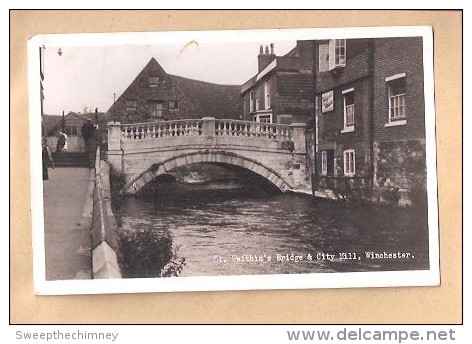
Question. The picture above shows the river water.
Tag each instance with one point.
(241, 232)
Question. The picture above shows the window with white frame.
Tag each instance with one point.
(266, 118)
(258, 104)
(337, 53)
(348, 106)
(349, 162)
(396, 97)
(251, 101)
(324, 162)
(266, 95)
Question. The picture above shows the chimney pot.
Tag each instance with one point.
(261, 51)
(271, 48)
(267, 50)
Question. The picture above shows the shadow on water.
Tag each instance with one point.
(244, 226)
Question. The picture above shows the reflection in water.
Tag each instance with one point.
(234, 232)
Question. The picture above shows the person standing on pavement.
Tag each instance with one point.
(61, 142)
(47, 159)
(88, 133)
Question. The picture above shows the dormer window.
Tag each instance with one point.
(153, 81)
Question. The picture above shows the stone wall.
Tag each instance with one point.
(105, 240)
(400, 163)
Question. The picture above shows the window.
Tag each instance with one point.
(337, 53)
(173, 104)
(348, 106)
(251, 101)
(266, 95)
(263, 118)
(70, 130)
(131, 105)
(155, 109)
(323, 57)
(244, 106)
(349, 162)
(153, 81)
(258, 104)
(396, 98)
(324, 162)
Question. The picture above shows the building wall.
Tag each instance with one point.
(291, 87)
(391, 156)
(358, 65)
(295, 95)
(357, 74)
(399, 151)
(331, 124)
(144, 94)
(394, 56)
(75, 141)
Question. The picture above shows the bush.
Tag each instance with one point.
(145, 252)
(117, 181)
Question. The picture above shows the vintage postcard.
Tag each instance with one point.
(233, 160)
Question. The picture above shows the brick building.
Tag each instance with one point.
(156, 95)
(369, 114)
(282, 90)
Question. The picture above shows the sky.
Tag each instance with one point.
(87, 77)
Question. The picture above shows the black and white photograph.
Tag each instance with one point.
(233, 160)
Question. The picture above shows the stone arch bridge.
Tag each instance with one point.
(144, 151)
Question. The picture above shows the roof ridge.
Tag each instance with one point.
(206, 82)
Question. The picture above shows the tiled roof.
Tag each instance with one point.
(221, 101)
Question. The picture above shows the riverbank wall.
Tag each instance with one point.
(105, 240)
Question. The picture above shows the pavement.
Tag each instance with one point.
(67, 223)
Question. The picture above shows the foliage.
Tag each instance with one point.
(175, 266)
(145, 252)
(117, 181)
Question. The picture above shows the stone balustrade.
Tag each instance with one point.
(253, 129)
(208, 126)
(158, 130)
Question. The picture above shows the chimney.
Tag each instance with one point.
(265, 58)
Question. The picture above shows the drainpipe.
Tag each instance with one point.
(371, 117)
(314, 176)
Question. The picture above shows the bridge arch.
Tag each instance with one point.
(155, 170)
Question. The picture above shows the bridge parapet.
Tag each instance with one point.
(207, 126)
